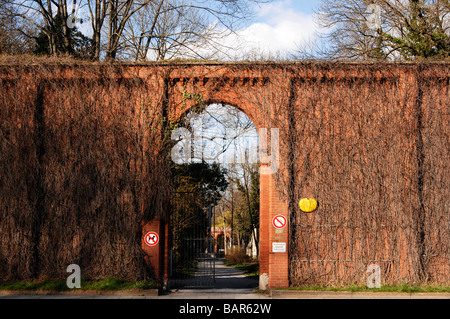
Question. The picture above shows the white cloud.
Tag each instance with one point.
(280, 30)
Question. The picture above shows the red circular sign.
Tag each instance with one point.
(151, 238)
(279, 221)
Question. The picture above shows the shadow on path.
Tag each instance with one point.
(230, 277)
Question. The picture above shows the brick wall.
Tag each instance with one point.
(309, 104)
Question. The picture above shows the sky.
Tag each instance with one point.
(280, 27)
(221, 133)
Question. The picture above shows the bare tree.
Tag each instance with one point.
(169, 29)
(219, 133)
(16, 37)
(386, 29)
(136, 29)
(165, 29)
(48, 16)
(98, 10)
(120, 12)
(233, 139)
(248, 185)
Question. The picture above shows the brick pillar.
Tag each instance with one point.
(264, 216)
(166, 249)
(158, 254)
(274, 266)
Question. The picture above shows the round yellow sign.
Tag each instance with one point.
(308, 205)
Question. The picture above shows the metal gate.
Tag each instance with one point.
(194, 265)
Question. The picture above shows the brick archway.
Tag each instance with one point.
(369, 140)
(186, 88)
(216, 234)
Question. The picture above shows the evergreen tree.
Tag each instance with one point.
(79, 46)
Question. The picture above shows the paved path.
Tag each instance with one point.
(235, 294)
(225, 277)
(230, 283)
(230, 277)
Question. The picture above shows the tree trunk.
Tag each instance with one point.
(50, 28)
(63, 14)
(96, 32)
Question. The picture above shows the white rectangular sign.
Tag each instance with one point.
(278, 247)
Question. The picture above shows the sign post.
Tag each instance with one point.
(278, 247)
(151, 238)
(279, 221)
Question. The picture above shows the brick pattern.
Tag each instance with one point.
(158, 256)
(263, 92)
(259, 91)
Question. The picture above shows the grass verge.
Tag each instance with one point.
(60, 285)
(384, 288)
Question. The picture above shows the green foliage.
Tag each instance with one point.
(384, 288)
(79, 45)
(196, 97)
(109, 283)
(196, 187)
(424, 34)
(207, 180)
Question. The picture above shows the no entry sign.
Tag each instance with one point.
(279, 221)
(151, 238)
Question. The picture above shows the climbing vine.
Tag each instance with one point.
(85, 157)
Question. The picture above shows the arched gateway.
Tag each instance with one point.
(251, 88)
(369, 142)
(316, 122)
